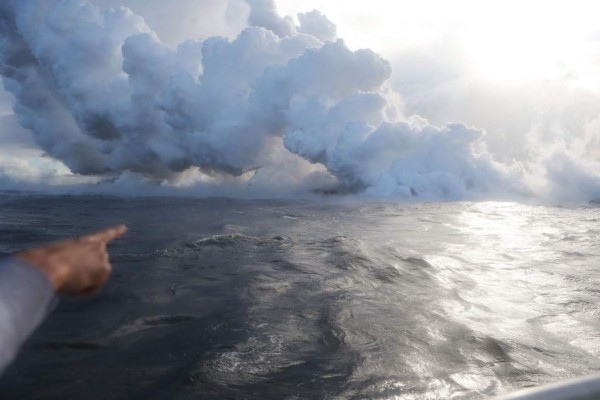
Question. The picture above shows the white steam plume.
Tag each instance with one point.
(103, 94)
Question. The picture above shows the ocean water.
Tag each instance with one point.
(338, 299)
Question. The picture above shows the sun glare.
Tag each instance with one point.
(499, 40)
(528, 41)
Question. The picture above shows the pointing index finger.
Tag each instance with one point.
(106, 235)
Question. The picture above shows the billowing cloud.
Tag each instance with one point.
(280, 104)
(316, 24)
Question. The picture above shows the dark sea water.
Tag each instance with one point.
(227, 299)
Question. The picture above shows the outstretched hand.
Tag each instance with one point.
(78, 266)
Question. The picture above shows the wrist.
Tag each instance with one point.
(42, 261)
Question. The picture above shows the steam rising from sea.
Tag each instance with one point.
(284, 108)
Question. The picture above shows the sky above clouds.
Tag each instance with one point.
(521, 77)
(187, 19)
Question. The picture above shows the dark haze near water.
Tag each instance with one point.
(231, 299)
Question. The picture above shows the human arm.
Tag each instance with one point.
(29, 281)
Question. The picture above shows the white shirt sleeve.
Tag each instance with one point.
(26, 298)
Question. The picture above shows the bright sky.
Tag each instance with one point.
(501, 40)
